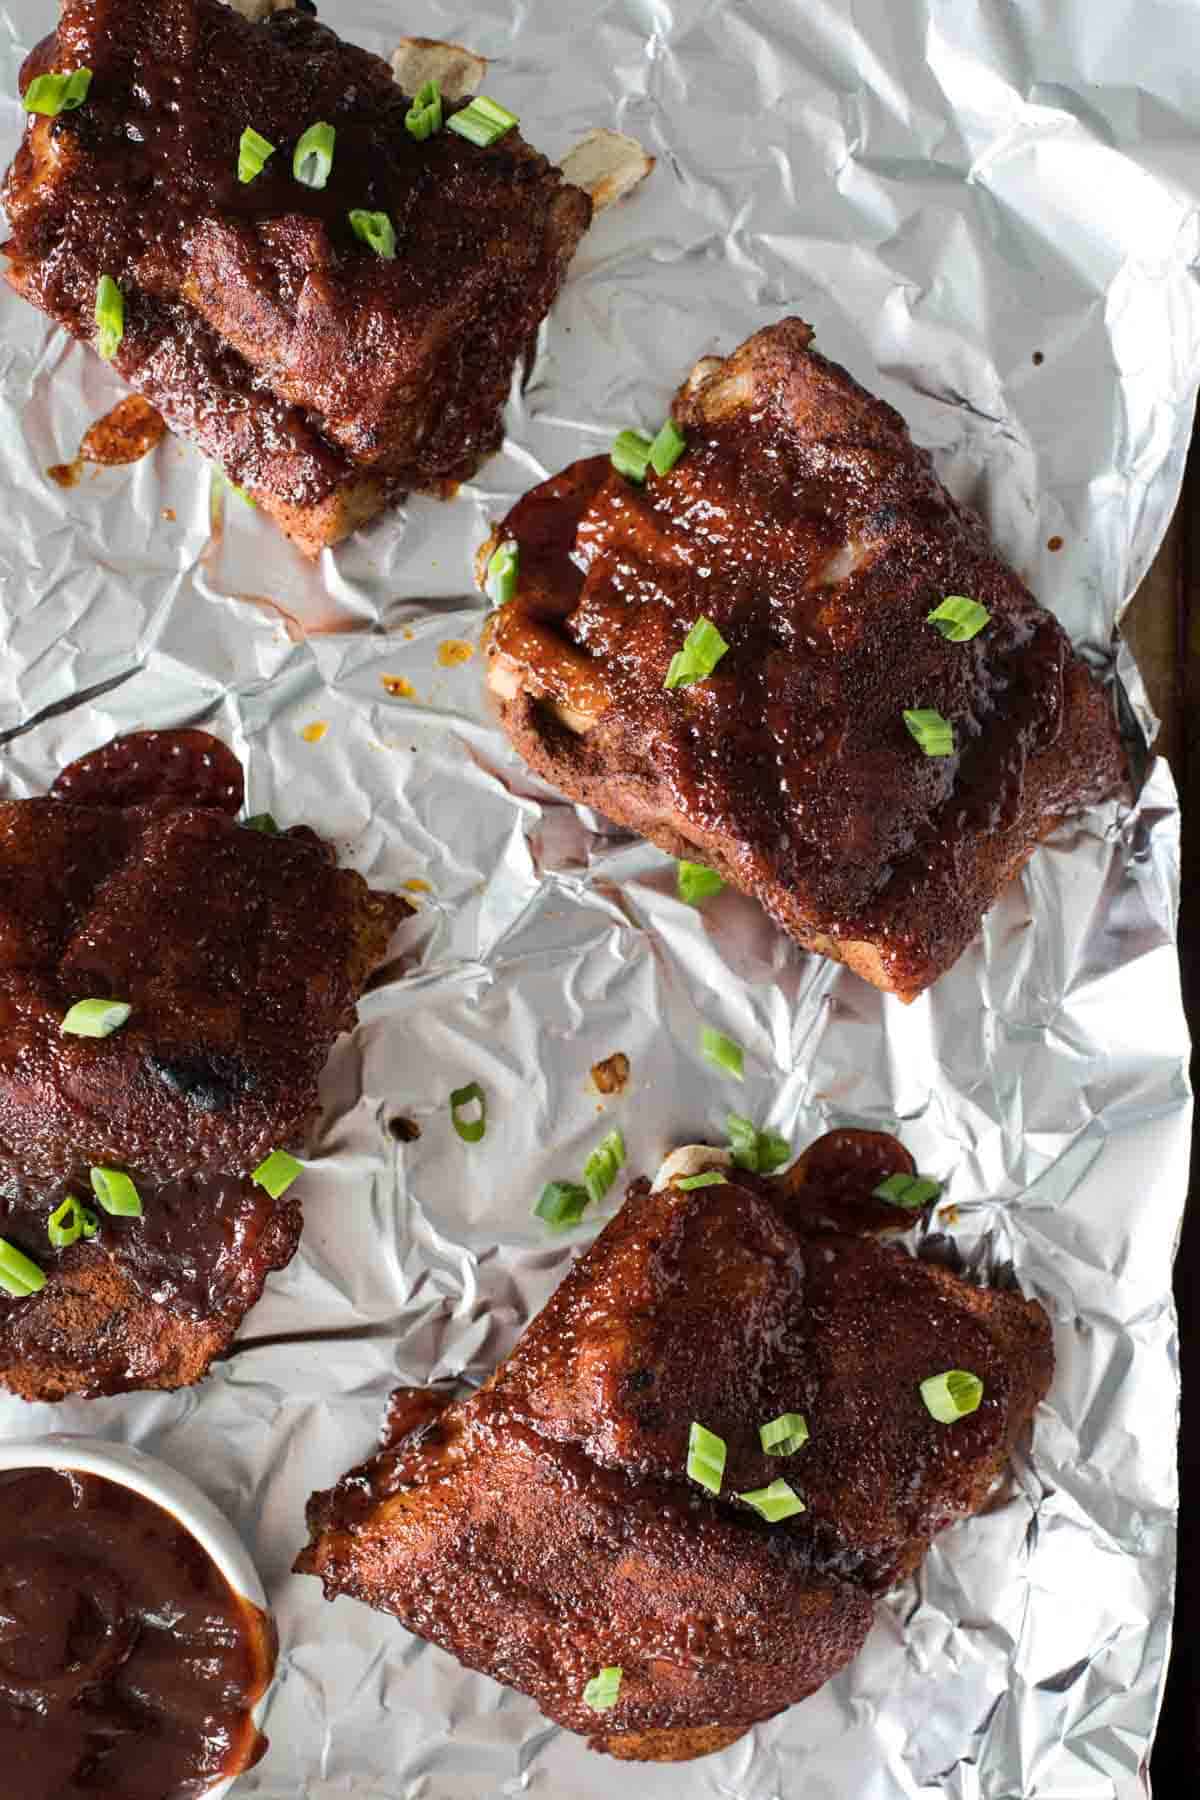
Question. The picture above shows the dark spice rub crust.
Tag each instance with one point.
(326, 379)
(806, 525)
(241, 954)
(545, 1528)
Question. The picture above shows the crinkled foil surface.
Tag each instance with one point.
(943, 188)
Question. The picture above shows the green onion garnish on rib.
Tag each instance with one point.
(600, 1169)
(312, 159)
(695, 883)
(95, 1018)
(18, 1275)
(483, 122)
(706, 1457)
(776, 1502)
(277, 1172)
(722, 1052)
(502, 570)
(469, 1099)
(783, 1436)
(116, 1193)
(958, 619)
(69, 1222)
(602, 1690)
(706, 1178)
(951, 1395)
(762, 1152)
(253, 152)
(424, 116)
(667, 448)
(110, 317)
(934, 734)
(375, 229)
(911, 1191)
(630, 455)
(57, 93)
(562, 1204)
(263, 822)
(703, 648)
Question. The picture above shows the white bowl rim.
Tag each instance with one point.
(176, 1494)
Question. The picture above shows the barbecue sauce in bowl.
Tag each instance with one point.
(128, 1665)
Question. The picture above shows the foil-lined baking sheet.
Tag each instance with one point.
(989, 213)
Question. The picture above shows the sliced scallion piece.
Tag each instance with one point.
(263, 822)
(602, 1690)
(110, 317)
(18, 1275)
(95, 1018)
(57, 93)
(600, 1169)
(912, 1191)
(783, 1436)
(562, 1203)
(934, 734)
(631, 454)
(470, 1130)
(483, 122)
(761, 1152)
(502, 569)
(277, 1172)
(375, 229)
(116, 1193)
(312, 158)
(951, 1395)
(706, 1457)
(706, 1178)
(69, 1222)
(667, 448)
(776, 1502)
(959, 619)
(703, 648)
(696, 883)
(424, 116)
(723, 1052)
(253, 152)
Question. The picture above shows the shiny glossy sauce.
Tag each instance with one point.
(128, 1666)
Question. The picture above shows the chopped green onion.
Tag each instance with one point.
(952, 1395)
(723, 1052)
(110, 317)
(958, 618)
(563, 1203)
(262, 822)
(934, 734)
(375, 229)
(703, 648)
(95, 1018)
(116, 1193)
(667, 448)
(483, 121)
(424, 116)
(277, 1172)
(706, 1457)
(761, 1152)
(912, 1191)
(631, 454)
(602, 1690)
(253, 151)
(58, 93)
(69, 1222)
(776, 1502)
(696, 883)
(312, 158)
(783, 1436)
(469, 1130)
(18, 1276)
(706, 1178)
(600, 1169)
(502, 574)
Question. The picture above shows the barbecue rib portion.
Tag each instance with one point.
(241, 954)
(545, 1528)
(803, 522)
(324, 377)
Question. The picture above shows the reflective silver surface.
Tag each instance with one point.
(943, 190)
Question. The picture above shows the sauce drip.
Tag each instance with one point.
(128, 1666)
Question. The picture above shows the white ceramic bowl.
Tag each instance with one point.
(167, 1488)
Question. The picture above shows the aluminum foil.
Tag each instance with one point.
(989, 213)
